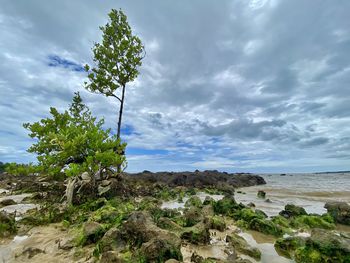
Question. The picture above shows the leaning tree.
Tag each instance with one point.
(116, 60)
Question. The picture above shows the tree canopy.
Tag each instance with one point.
(74, 141)
(116, 60)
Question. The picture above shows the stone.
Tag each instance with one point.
(112, 240)
(242, 246)
(92, 232)
(261, 194)
(105, 182)
(85, 176)
(291, 210)
(159, 248)
(340, 211)
(111, 257)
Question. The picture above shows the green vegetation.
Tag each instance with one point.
(116, 59)
(20, 169)
(74, 142)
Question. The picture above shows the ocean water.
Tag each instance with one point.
(310, 191)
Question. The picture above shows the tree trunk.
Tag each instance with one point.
(120, 121)
(70, 190)
(121, 112)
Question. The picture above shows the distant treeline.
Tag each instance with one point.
(18, 169)
(335, 172)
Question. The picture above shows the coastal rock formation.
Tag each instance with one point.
(340, 211)
(198, 179)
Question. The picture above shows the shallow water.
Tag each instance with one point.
(310, 191)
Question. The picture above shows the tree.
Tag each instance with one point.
(116, 59)
(74, 142)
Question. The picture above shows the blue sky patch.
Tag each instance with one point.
(57, 61)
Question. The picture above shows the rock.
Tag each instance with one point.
(261, 194)
(198, 234)
(172, 261)
(139, 229)
(85, 176)
(208, 200)
(112, 240)
(66, 244)
(217, 222)
(192, 216)
(268, 200)
(111, 257)
(196, 258)
(193, 201)
(287, 246)
(321, 246)
(251, 204)
(291, 210)
(160, 249)
(105, 182)
(32, 251)
(167, 223)
(242, 246)
(340, 211)
(207, 210)
(92, 232)
(265, 226)
(6, 202)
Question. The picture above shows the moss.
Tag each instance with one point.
(265, 226)
(248, 214)
(241, 245)
(291, 210)
(287, 246)
(261, 194)
(198, 234)
(218, 223)
(226, 206)
(311, 221)
(308, 255)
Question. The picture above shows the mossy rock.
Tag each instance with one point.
(192, 216)
(261, 194)
(160, 250)
(265, 226)
(227, 206)
(193, 201)
(167, 223)
(242, 246)
(217, 222)
(208, 200)
(311, 221)
(91, 233)
(248, 214)
(291, 210)
(198, 234)
(340, 211)
(287, 246)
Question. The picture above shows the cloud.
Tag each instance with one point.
(259, 85)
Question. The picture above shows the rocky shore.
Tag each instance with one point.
(162, 217)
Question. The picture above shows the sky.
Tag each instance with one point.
(239, 86)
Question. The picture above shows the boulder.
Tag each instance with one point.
(261, 194)
(291, 210)
(92, 232)
(156, 243)
(112, 240)
(207, 210)
(217, 222)
(159, 249)
(111, 257)
(242, 246)
(340, 211)
(198, 234)
(192, 216)
(208, 200)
